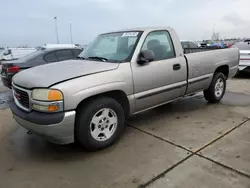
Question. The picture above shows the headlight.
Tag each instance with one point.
(47, 95)
(47, 100)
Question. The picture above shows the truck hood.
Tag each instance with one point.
(50, 74)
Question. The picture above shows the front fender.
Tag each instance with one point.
(77, 97)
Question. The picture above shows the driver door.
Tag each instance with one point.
(163, 79)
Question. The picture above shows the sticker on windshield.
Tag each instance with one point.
(130, 34)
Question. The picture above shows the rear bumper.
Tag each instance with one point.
(244, 65)
(57, 128)
(244, 68)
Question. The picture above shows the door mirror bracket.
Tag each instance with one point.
(145, 57)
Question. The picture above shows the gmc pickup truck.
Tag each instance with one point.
(119, 74)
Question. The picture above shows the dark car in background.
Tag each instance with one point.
(188, 44)
(40, 57)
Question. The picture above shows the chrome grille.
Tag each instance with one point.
(21, 97)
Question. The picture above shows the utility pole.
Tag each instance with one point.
(55, 18)
(70, 31)
(214, 28)
(213, 35)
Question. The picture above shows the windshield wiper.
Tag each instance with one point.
(78, 57)
(98, 58)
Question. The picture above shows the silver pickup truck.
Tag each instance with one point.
(119, 74)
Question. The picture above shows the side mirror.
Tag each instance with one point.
(146, 56)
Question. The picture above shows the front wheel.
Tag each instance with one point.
(217, 89)
(99, 123)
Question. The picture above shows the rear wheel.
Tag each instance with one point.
(217, 88)
(99, 123)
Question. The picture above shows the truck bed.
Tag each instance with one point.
(202, 65)
(195, 50)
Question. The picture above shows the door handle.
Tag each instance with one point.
(176, 67)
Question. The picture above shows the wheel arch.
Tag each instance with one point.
(223, 69)
(118, 95)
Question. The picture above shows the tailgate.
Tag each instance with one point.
(244, 59)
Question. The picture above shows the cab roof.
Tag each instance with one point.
(148, 29)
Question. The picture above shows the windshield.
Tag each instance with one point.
(112, 47)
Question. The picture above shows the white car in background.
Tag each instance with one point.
(1, 53)
(16, 53)
(47, 46)
(244, 48)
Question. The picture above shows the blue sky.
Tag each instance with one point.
(31, 22)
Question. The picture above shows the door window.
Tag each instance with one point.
(161, 44)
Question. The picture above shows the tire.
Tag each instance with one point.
(211, 94)
(94, 129)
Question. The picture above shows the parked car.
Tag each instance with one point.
(244, 47)
(228, 45)
(203, 44)
(40, 57)
(189, 44)
(120, 74)
(16, 53)
(59, 46)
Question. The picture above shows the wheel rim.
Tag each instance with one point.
(103, 124)
(219, 88)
